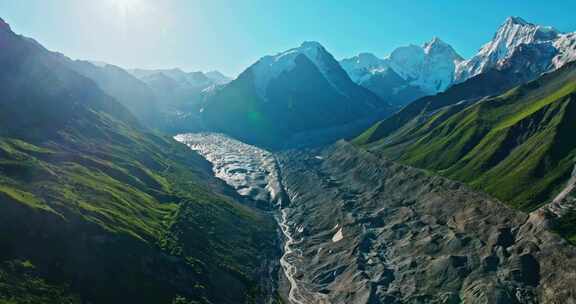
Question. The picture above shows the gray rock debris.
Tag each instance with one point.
(409, 237)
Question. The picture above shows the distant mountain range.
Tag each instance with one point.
(293, 86)
(408, 73)
(412, 72)
(181, 95)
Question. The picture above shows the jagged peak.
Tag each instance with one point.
(269, 67)
(516, 20)
(437, 45)
(436, 40)
(311, 44)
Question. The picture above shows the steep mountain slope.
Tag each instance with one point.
(95, 209)
(518, 146)
(408, 73)
(302, 90)
(550, 49)
(418, 112)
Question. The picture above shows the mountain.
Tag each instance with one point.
(522, 65)
(518, 146)
(180, 95)
(217, 77)
(493, 82)
(300, 91)
(520, 43)
(190, 79)
(132, 93)
(95, 208)
(411, 72)
(408, 73)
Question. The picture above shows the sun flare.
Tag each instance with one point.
(125, 6)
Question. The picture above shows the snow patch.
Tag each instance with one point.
(338, 236)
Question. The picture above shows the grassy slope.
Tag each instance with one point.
(143, 194)
(519, 146)
(104, 210)
(489, 83)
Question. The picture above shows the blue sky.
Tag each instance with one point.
(228, 35)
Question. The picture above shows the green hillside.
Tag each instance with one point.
(492, 82)
(96, 209)
(518, 146)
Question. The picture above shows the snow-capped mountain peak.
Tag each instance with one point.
(429, 67)
(438, 46)
(514, 32)
(363, 66)
(516, 20)
(270, 67)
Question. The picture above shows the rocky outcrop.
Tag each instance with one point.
(368, 230)
(565, 201)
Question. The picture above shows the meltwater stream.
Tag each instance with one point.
(253, 173)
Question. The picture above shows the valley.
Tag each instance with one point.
(358, 233)
(417, 177)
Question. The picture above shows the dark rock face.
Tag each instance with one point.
(372, 231)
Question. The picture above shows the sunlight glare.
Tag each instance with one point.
(125, 6)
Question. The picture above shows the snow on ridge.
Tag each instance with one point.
(566, 43)
(430, 67)
(271, 66)
(514, 32)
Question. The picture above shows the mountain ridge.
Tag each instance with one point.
(301, 90)
(425, 70)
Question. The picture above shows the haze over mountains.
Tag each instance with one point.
(458, 184)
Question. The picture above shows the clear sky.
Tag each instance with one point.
(228, 35)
